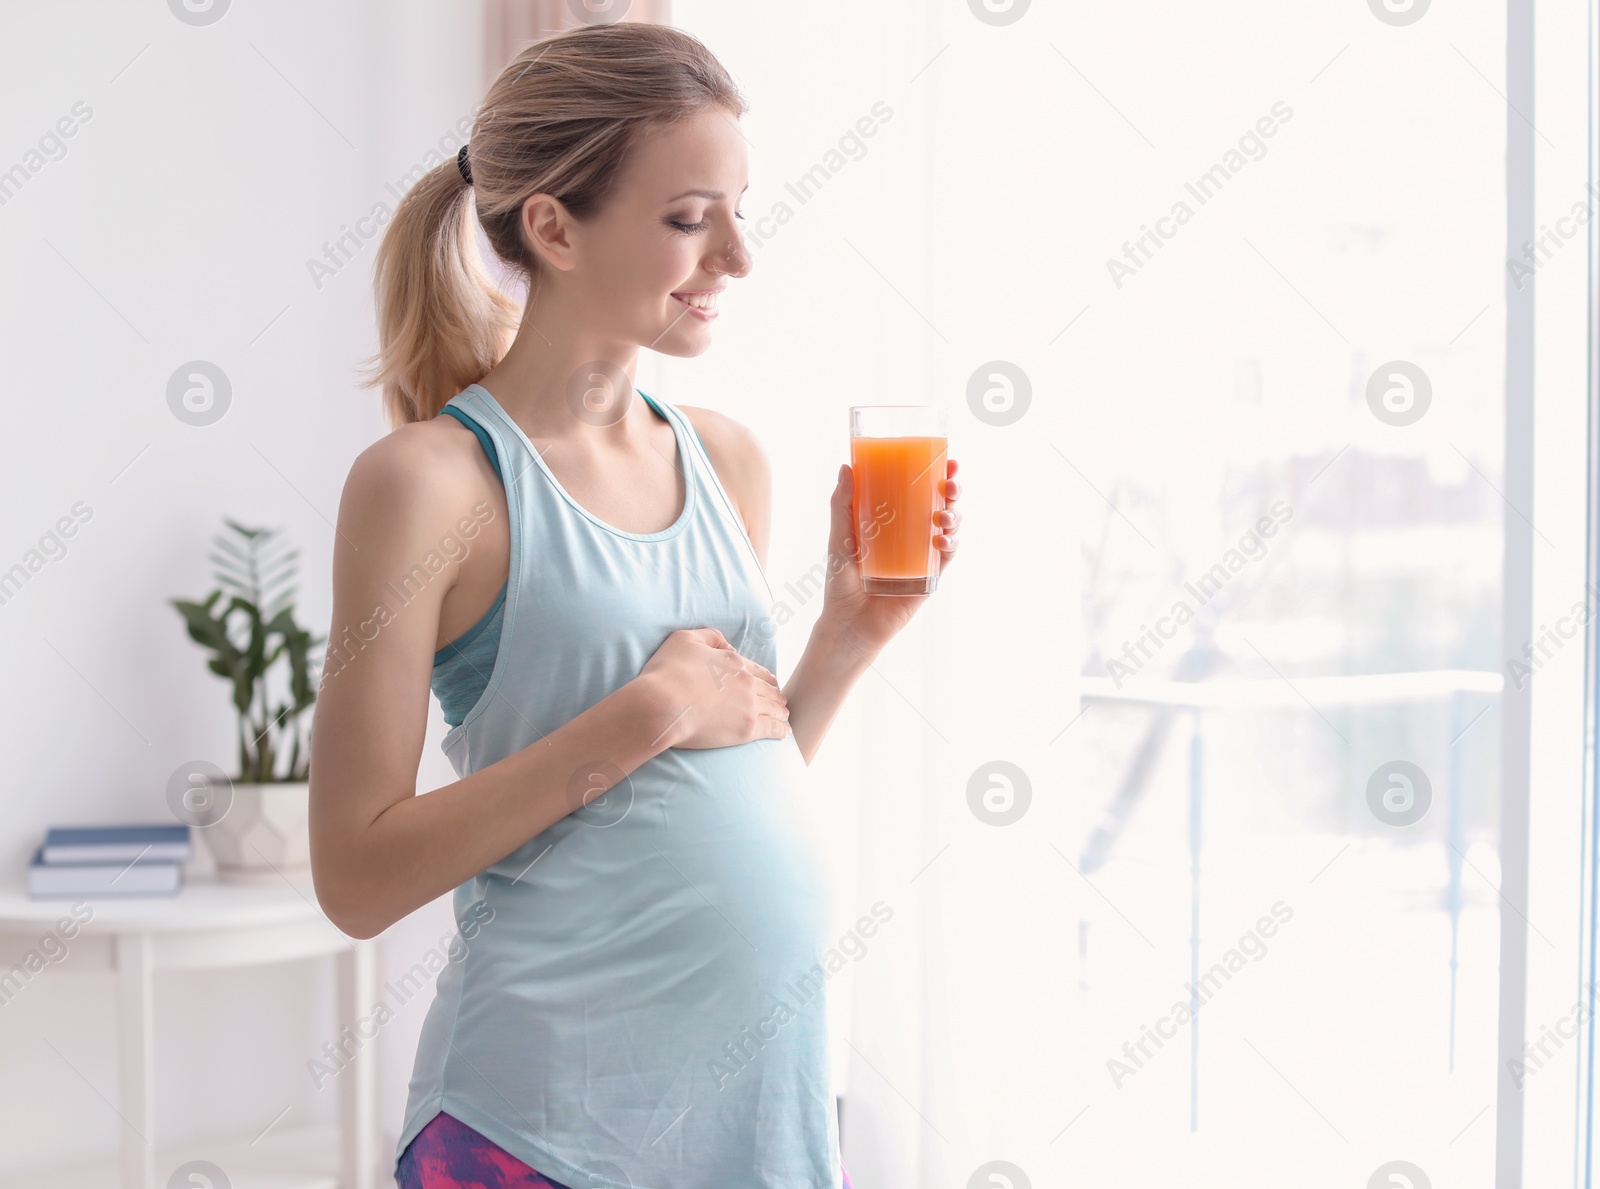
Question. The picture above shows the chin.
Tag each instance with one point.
(685, 347)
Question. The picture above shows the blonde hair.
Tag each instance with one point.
(558, 120)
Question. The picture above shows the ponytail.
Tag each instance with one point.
(442, 321)
(558, 120)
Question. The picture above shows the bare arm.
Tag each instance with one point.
(827, 671)
(379, 851)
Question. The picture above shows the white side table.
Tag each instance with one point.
(207, 925)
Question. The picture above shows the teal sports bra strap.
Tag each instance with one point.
(481, 434)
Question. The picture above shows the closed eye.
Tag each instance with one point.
(696, 228)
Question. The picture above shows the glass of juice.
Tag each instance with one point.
(897, 458)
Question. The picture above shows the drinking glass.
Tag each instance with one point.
(897, 458)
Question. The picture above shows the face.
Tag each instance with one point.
(650, 265)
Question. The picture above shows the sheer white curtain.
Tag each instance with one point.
(889, 271)
(508, 25)
(956, 1035)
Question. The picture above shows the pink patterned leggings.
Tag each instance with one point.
(447, 1154)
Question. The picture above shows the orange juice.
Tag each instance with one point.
(899, 485)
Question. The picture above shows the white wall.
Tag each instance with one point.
(177, 226)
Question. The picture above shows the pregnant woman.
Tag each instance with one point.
(634, 997)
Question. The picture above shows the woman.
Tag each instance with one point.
(634, 997)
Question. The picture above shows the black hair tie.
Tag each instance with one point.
(461, 164)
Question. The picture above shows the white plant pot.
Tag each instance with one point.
(264, 835)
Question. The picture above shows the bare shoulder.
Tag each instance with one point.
(736, 452)
(743, 467)
(420, 461)
(412, 486)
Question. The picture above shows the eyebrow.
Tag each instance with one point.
(712, 194)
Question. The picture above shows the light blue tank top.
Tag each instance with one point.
(635, 998)
(461, 667)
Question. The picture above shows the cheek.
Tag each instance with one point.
(665, 261)
(676, 264)
(651, 273)
(643, 265)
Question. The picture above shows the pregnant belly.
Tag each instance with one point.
(701, 873)
(660, 952)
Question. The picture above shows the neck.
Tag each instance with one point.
(564, 373)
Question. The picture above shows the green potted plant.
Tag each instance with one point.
(256, 824)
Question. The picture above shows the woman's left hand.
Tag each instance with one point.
(869, 621)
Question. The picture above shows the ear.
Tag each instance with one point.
(547, 228)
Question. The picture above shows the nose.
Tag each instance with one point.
(733, 259)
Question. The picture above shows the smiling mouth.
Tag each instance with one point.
(702, 305)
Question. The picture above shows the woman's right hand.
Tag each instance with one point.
(715, 696)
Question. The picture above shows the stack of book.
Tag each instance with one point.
(110, 861)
